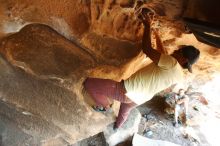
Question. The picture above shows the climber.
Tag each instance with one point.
(181, 102)
(164, 71)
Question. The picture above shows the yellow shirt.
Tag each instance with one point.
(148, 81)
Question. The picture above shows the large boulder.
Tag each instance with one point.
(43, 65)
(40, 111)
(41, 89)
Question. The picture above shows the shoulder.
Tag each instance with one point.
(167, 61)
(169, 58)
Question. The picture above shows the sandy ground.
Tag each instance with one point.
(160, 123)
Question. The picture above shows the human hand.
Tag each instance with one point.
(146, 16)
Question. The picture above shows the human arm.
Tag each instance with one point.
(153, 54)
(123, 114)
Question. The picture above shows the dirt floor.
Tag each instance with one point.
(161, 124)
(155, 124)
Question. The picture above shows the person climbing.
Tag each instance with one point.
(164, 71)
(181, 102)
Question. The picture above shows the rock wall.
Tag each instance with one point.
(107, 29)
(48, 47)
(204, 10)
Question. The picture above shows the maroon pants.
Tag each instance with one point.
(102, 90)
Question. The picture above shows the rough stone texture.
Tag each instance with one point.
(40, 50)
(112, 18)
(122, 134)
(43, 65)
(108, 29)
(96, 140)
(204, 10)
(38, 108)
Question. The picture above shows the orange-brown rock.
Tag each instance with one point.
(48, 47)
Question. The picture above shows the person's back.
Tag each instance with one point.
(153, 78)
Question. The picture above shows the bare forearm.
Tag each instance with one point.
(153, 54)
(146, 40)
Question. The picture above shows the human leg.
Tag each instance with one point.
(103, 91)
(126, 104)
(186, 112)
(97, 89)
(124, 111)
(186, 103)
(176, 114)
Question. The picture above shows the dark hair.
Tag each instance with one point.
(191, 53)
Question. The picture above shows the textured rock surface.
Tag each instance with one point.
(204, 10)
(40, 50)
(38, 110)
(43, 65)
(33, 102)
